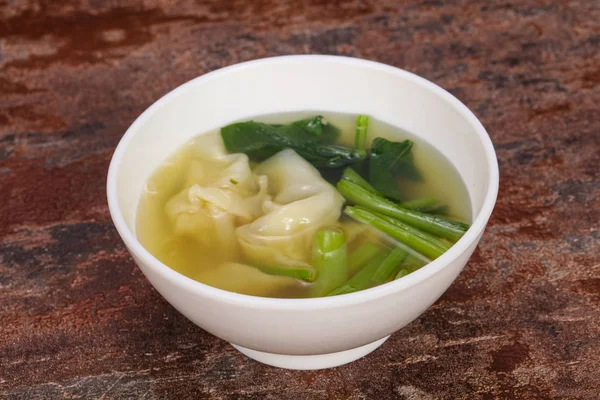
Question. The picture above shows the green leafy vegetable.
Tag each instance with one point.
(360, 138)
(389, 265)
(439, 210)
(381, 267)
(398, 232)
(439, 243)
(432, 224)
(424, 204)
(362, 279)
(388, 162)
(317, 126)
(406, 270)
(330, 260)
(361, 256)
(260, 141)
(306, 274)
(354, 177)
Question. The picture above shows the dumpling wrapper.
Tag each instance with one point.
(303, 202)
(220, 193)
(241, 278)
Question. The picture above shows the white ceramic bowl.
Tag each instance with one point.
(320, 332)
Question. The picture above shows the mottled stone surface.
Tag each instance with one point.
(78, 319)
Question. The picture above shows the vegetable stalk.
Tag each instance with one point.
(406, 236)
(351, 175)
(406, 270)
(303, 273)
(360, 138)
(424, 204)
(361, 256)
(435, 225)
(389, 265)
(362, 279)
(437, 242)
(330, 260)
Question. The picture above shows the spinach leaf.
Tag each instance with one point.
(313, 125)
(317, 126)
(248, 138)
(260, 141)
(389, 162)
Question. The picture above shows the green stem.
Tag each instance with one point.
(362, 279)
(351, 175)
(361, 256)
(425, 204)
(406, 270)
(330, 261)
(407, 237)
(303, 273)
(389, 265)
(441, 210)
(429, 223)
(360, 138)
(439, 243)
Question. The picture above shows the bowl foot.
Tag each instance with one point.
(311, 362)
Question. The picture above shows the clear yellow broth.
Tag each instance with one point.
(188, 257)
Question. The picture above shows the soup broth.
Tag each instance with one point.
(214, 253)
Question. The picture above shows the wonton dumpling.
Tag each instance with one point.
(220, 193)
(303, 202)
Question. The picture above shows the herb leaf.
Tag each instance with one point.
(319, 128)
(390, 161)
(260, 141)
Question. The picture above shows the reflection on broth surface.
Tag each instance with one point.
(271, 222)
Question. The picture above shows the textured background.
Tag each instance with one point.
(78, 319)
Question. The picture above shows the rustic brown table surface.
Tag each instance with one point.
(79, 320)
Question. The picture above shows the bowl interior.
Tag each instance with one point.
(297, 83)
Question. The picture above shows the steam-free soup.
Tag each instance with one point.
(297, 205)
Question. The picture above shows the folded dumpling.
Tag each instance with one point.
(302, 202)
(220, 193)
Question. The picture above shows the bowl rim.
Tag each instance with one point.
(165, 272)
